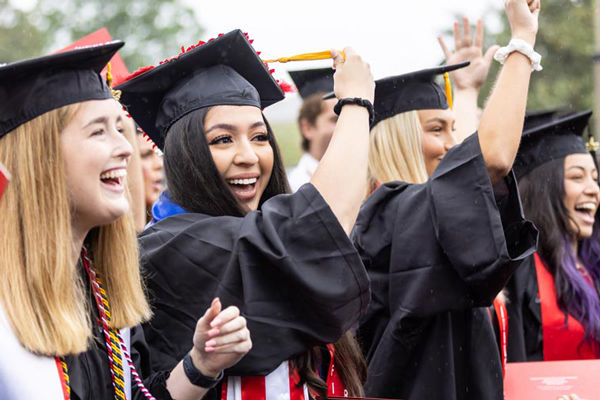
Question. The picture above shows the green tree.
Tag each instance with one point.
(151, 30)
(566, 42)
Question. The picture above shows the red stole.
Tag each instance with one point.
(561, 341)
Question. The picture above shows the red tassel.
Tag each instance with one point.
(271, 71)
(182, 49)
(220, 34)
(123, 108)
(250, 41)
(258, 52)
(128, 115)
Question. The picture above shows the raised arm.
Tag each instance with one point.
(502, 120)
(342, 172)
(467, 81)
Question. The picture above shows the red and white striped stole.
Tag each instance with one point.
(281, 384)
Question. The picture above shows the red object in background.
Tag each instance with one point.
(4, 178)
(547, 380)
(119, 69)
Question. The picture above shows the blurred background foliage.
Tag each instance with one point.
(566, 43)
(150, 29)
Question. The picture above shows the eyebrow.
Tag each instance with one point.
(436, 119)
(580, 167)
(233, 128)
(99, 120)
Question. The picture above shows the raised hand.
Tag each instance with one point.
(523, 18)
(353, 76)
(221, 339)
(470, 49)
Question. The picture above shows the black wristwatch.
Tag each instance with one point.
(196, 377)
(357, 101)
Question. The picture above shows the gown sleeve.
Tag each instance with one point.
(290, 268)
(449, 244)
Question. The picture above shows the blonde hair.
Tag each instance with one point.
(395, 150)
(41, 290)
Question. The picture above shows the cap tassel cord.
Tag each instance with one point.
(448, 89)
(109, 81)
(592, 144)
(320, 55)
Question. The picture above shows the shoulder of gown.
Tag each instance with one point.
(290, 268)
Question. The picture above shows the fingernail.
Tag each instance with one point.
(209, 349)
(210, 343)
(215, 322)
(213, 332)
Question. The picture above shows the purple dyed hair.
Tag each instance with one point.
(542, 191)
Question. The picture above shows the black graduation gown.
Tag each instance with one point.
(437, 254)
(290, 268)
(525, 336)
(89, 372)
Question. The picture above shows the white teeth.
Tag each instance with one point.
(242, 181)
(116, 173)
(586, 206)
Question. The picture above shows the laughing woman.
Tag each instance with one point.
(285, 260)
(554, 303)
(70, 282)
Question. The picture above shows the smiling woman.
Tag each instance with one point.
(554, 306)
(227, 227)
(71, 294)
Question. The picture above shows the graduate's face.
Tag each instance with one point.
(581, 193)
(239, 143)
(438, 138)
(152, 170)
(95, 154)
(319, 134)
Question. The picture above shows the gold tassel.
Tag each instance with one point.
(109, 81)
(448, 88)
(592, 145)
(320, 55)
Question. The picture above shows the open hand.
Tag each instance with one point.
(468, 49)
(221, 339)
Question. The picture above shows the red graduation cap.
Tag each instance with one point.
(118, 68)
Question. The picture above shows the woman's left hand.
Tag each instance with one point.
(469, 49)
(221, 339)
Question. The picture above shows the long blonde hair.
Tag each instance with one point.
(395, 150)
(41, 291)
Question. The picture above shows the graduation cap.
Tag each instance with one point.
(224, 71)
(119, 69)
(35, 86)
(412, 91)
(551, 141)
(311, 81)
(541, 117)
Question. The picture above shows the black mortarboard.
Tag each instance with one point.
(551, 141)
(312, 81)
(541, 117)
(224, 71)
(32, 87)
(413, 91)
(407, 92)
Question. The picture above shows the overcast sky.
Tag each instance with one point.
(393, 36)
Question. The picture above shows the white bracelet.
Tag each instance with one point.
(522, 47)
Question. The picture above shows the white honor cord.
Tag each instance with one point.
(522, 47)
